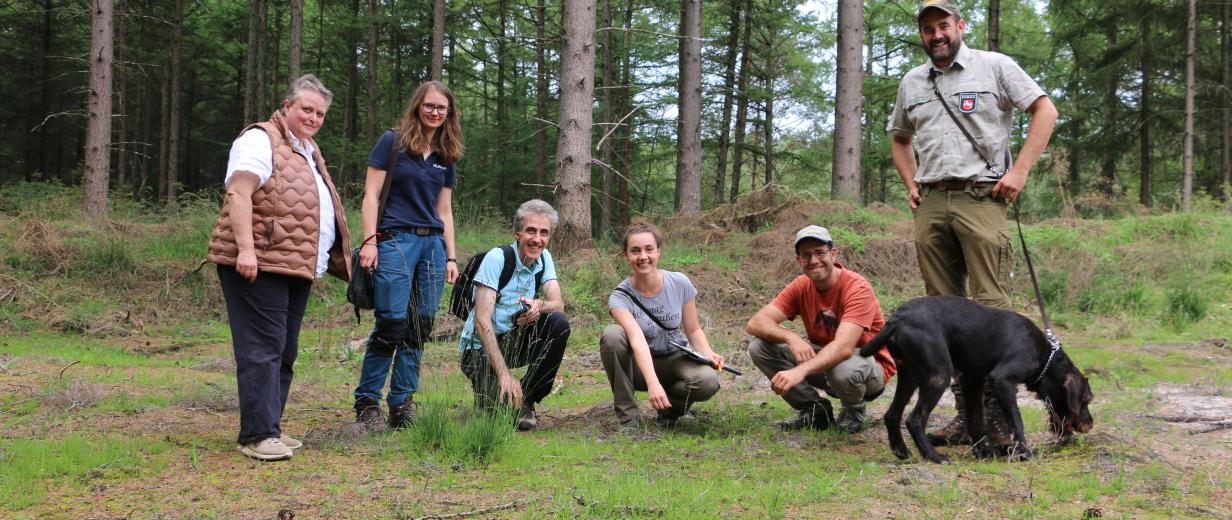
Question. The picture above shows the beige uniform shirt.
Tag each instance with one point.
(982, 89)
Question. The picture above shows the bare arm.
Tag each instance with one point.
(641, 354)
(372, 200)
(485, 305)
(904, 162)
(835, 352)
(239, 197)
(1043, 120)
(766, 324)
(444, 209)
(697, 337)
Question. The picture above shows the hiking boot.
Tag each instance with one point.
(955, 432)
(664, 422)
(630, 427)
(290, 442)
(851, 420)
(997, 426)
(817, 417)
(368, 414)
(400, 416)
(527, 420)
(266, 449)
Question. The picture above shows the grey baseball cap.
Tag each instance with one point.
(815, 233)
(949, 6)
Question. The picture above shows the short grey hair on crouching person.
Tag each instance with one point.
(537, 207)
(310, 82)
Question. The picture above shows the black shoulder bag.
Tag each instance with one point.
(360, 290)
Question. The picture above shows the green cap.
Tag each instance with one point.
(949, 6)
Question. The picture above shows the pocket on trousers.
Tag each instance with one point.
(1006, 263)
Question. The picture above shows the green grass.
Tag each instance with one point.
(31, 468)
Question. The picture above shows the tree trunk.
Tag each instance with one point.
(768, 130)
(541, 97)
(1225, 115)
(350, 115)
(845, 178)
(164, 125)
(373, 32)
(1187, 159)
(438, 39)
(120, 135)
(296, 51)
(250, 65)
(1144, 113)
(742, 109)
(729, 92)
(1107, 171)
(262, 54)
(577, 88)
(320, 33)
(994, 25)
(502, 109)
(173, 121)
(607, 129)
(274, 82)
(98, 126)
(626, 132)
(689, 138)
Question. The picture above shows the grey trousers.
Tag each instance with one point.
(850, 381)
(685, 381)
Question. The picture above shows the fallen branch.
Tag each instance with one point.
(1189, 419)
(1213, 427)
(512, 505)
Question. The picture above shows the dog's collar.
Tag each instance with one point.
(1056, 346)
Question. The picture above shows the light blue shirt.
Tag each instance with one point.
(522, 283)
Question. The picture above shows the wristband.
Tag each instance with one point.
(454, 260)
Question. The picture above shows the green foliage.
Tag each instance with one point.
(1185, 305)
(478, 437)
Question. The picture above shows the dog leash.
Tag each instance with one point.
(1039, 297)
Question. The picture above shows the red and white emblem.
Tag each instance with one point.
(966, 102)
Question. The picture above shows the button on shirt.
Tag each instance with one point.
(252, 152)
(522, 283)
(982, 89)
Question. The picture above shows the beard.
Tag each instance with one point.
(943, 55)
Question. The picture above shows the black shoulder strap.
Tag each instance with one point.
(390, 167)
(638, 302)
(932, 78)
(506, 270)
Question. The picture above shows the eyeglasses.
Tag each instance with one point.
(430, 108)
(820, 254)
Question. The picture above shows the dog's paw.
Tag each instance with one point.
(1021, 452)
(902, 454)
(936, 458)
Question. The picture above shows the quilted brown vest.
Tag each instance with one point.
(286, 215)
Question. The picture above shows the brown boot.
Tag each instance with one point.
(955, 432)
(996, 424)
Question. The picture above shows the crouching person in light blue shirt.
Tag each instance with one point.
(510, 326)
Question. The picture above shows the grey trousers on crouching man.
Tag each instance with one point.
(265, 318)
(539, 346)
(685, 381)
(851, 381)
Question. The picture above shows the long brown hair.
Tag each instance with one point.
(446, 140)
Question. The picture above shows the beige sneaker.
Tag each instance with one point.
(268, 449)
(290, 442)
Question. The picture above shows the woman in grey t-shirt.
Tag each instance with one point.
(637, 353)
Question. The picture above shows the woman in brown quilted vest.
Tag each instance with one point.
(282, 227)
(409, 247)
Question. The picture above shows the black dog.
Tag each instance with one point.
(932, 337)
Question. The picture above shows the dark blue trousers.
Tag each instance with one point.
(265, 319)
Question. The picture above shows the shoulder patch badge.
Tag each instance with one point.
(966, 102)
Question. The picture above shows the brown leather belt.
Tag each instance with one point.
(957, 184)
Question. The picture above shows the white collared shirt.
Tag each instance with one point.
(252, 152)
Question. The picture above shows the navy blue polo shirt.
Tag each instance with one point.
(416, 185)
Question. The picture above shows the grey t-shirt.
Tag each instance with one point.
(667, 306)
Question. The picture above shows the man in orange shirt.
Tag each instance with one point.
(840, 314)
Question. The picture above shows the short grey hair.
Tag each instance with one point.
(537, 207)
(309, 81)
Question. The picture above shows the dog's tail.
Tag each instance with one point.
(880, 340)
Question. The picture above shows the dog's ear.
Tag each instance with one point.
(1077, 396)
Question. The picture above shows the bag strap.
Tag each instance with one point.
(390, 167)
(638, 302)
(507, 271)
(932, 78)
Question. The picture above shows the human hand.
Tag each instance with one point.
(785, 380)
(802, 349)
(530, 311)
(658, 397)
(1010, 186)
(367, 256)
(913, 197)
(716, 360)
(510, 391)
(451, 272)
(246, 265)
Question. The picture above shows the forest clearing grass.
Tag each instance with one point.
(125, 352)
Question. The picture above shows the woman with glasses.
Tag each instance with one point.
(408, 246)
(654, 309)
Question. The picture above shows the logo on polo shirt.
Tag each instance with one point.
(437, 166)
(966, 102)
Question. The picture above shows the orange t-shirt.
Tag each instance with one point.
(850, 300)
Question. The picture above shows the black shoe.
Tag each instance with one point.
(851, 420)
(819, 417)
(368, 413)
(402, 415)
(527, 420)
(664, 422)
